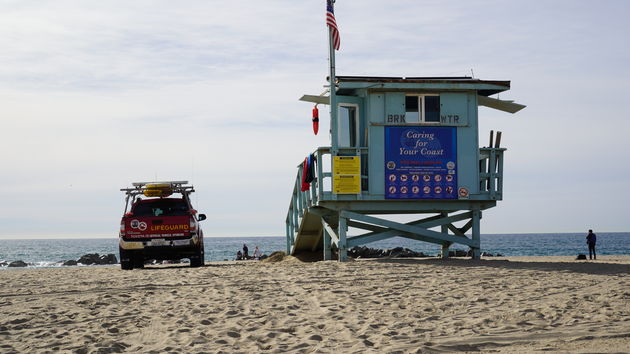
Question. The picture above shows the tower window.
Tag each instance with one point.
(422, 109)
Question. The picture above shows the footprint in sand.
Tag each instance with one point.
(300, 346)
(233, 334)
(19, 321)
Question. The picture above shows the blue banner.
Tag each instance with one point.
(420, 162)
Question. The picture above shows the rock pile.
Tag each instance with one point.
(366, 252)
(96, 259)
(399, 252)
(18, 264)
(488, 254)
(87, 259)
(459, 253)
(462, 253)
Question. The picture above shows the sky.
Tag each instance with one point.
(95, 95)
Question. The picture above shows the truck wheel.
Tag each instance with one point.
(138, 261)
(198, 259)
(126, 265)
(125, 260)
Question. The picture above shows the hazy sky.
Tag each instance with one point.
(95, 95)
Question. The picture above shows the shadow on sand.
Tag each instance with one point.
(599, 267)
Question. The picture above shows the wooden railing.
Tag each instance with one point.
(491, 172)
(320, 189)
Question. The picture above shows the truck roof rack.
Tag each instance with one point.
(172, 186)
(172, 183)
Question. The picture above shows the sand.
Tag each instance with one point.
(528, 304)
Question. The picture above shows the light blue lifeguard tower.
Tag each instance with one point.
(399, 146)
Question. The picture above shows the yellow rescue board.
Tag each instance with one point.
(158, 190)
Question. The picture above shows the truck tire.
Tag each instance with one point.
(198, 259)
(137, 260)
(125, 260)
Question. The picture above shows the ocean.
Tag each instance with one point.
(49, 252)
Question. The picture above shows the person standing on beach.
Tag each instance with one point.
(245, 252)
(257, 254)
(591, 240)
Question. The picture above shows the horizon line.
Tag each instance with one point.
(70, 237)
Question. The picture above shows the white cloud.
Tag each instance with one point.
(95, 95)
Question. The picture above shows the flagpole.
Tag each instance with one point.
(333, 94)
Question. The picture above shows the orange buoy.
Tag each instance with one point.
(315, 120)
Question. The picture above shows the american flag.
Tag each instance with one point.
(330, 21)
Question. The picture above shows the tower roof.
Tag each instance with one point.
(483, 87)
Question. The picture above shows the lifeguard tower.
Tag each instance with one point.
(398, 146)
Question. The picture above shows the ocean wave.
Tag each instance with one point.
(4, 265)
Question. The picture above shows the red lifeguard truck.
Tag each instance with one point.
(157, 226)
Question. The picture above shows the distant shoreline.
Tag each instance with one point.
(43, 252)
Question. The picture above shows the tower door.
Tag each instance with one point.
(348, 126)
(351, 123)
(352, 132)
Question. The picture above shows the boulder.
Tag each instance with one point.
(459, 253)
(96, 259)
(89, 259)
(364, 252)
(581, 257)
(488, 254)
(407, 253)
(70, 262)
(18, 264)
(108, 259)
(3, 264)
(395, 252)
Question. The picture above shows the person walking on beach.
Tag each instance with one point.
(591, 240)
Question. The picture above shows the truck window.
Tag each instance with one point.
(161, 207)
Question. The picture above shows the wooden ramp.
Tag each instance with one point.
(309, 236)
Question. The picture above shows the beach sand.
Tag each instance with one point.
(513, 304)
